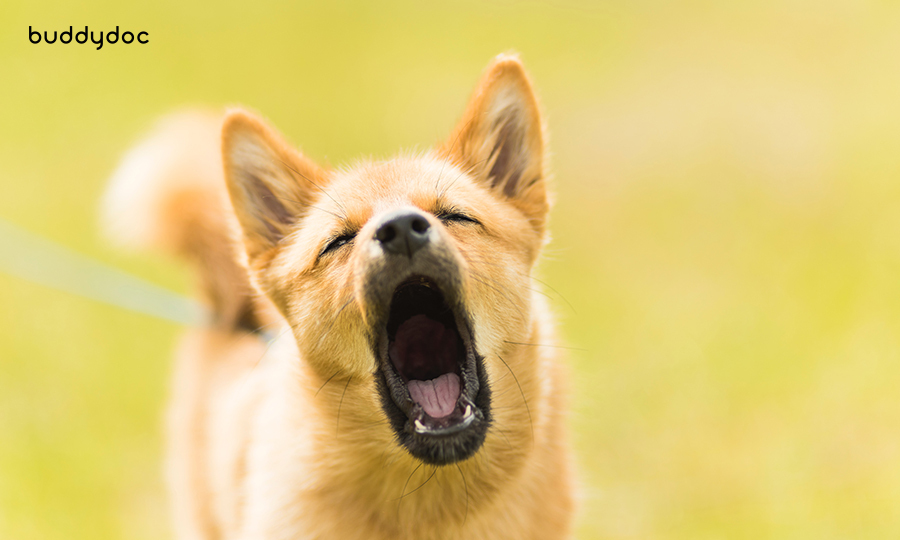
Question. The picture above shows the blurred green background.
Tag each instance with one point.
(727, 231)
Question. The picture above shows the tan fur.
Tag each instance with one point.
(289, 441)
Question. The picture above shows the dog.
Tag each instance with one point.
(377, 363)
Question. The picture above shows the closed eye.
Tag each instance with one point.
(338, 242)
(455, 216)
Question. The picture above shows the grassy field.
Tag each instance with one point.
(726, 239)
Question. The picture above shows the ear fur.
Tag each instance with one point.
(269, 182)
(501, 138)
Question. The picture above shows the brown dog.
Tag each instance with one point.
(375, 366)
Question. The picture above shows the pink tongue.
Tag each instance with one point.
(437, 396)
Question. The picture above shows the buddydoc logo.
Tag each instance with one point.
(65, 37)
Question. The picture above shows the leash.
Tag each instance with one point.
(33, 258)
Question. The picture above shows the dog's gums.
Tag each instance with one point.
(431, 377)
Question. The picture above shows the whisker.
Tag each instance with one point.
(503, 434)
(326, 211)
(481, 260)
(468, 170)
(403, 491)
(344, 210)
(497, 381)
(466, 485)
(273, 323)
(544, 345)
(519, 273)
(333, 322)
(326, 382)
(557, 294)
(305, 205)
(389, 459)
(341, 404)
(527, 409)
(438, 480)
(420, 485)
(482, 279)
(263, 355)
(497, 395)
(448, 186)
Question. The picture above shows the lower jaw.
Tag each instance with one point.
(447, 440)
(464, 415)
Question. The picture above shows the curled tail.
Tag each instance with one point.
(169, 194)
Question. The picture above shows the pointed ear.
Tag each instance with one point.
(270, 183)
(501, 138)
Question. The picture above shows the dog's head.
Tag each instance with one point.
(414, 269)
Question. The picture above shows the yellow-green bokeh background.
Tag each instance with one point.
(727, 231)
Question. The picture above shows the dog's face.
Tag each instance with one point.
(409, 275)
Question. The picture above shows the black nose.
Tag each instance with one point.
(403, 232)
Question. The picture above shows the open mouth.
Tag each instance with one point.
(432, 379)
